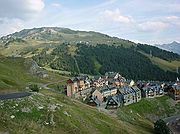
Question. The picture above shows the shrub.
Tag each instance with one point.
(160, 127)
(34, 88)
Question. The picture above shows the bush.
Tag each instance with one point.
(161, 128)
(34, 88)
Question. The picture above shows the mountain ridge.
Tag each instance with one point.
(66, 50)
(173, 47)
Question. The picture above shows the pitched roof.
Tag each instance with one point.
(117, 98)
(126, 90)
(97, 77)
(135, 88)
(95, 99)
(107, 88)
(111, 74)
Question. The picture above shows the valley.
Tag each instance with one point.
(49, 56)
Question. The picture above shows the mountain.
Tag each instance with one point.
(78, 52)
(89, 52)
(173, 47)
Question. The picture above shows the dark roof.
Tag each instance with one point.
(111, 74)
(135, 88)
(152, 88)
(126, 90)
(176, 86)
(95, 100)
(117, 98)
(107, 88)
(97, 77)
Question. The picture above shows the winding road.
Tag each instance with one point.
(45, 86)
(25, 94)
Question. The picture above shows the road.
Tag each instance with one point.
(45, 86)
(173, 123)
(14, 95)
(25, 94)
(171, 119)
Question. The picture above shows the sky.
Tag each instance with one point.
(141, 21)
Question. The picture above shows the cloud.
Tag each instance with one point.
(152, 26)
(116, 16)
(9, 26)
(57, 5)
(174, 20)
(21, 9)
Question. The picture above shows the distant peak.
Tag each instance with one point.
(174, 42)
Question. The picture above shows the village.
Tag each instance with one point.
(113, 90)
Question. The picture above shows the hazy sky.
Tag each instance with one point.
(146, 21)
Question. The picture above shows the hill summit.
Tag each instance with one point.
(90, 52)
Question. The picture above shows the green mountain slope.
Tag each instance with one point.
(15, 74)
(56, 113)
(90, 52)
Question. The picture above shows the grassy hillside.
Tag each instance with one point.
(164, 64)
(15, 75)
(152, 109)
(53, 113)
(47, 112)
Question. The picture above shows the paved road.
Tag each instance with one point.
(14, 95)
(171, 119)
(25, 94)
(45, 86)
(173, 123)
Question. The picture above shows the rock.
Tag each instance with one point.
(46, 123)
(59, 105)
(40, 107)
(67, 114)
(52, 119)
(12, 116)
(26, 110)
(52, 107)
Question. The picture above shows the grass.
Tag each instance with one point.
(97, 65)
(163, 64)
(69, 116)
(151, 109)
(14, 75)
(58, 86)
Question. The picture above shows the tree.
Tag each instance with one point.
(160, 127)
